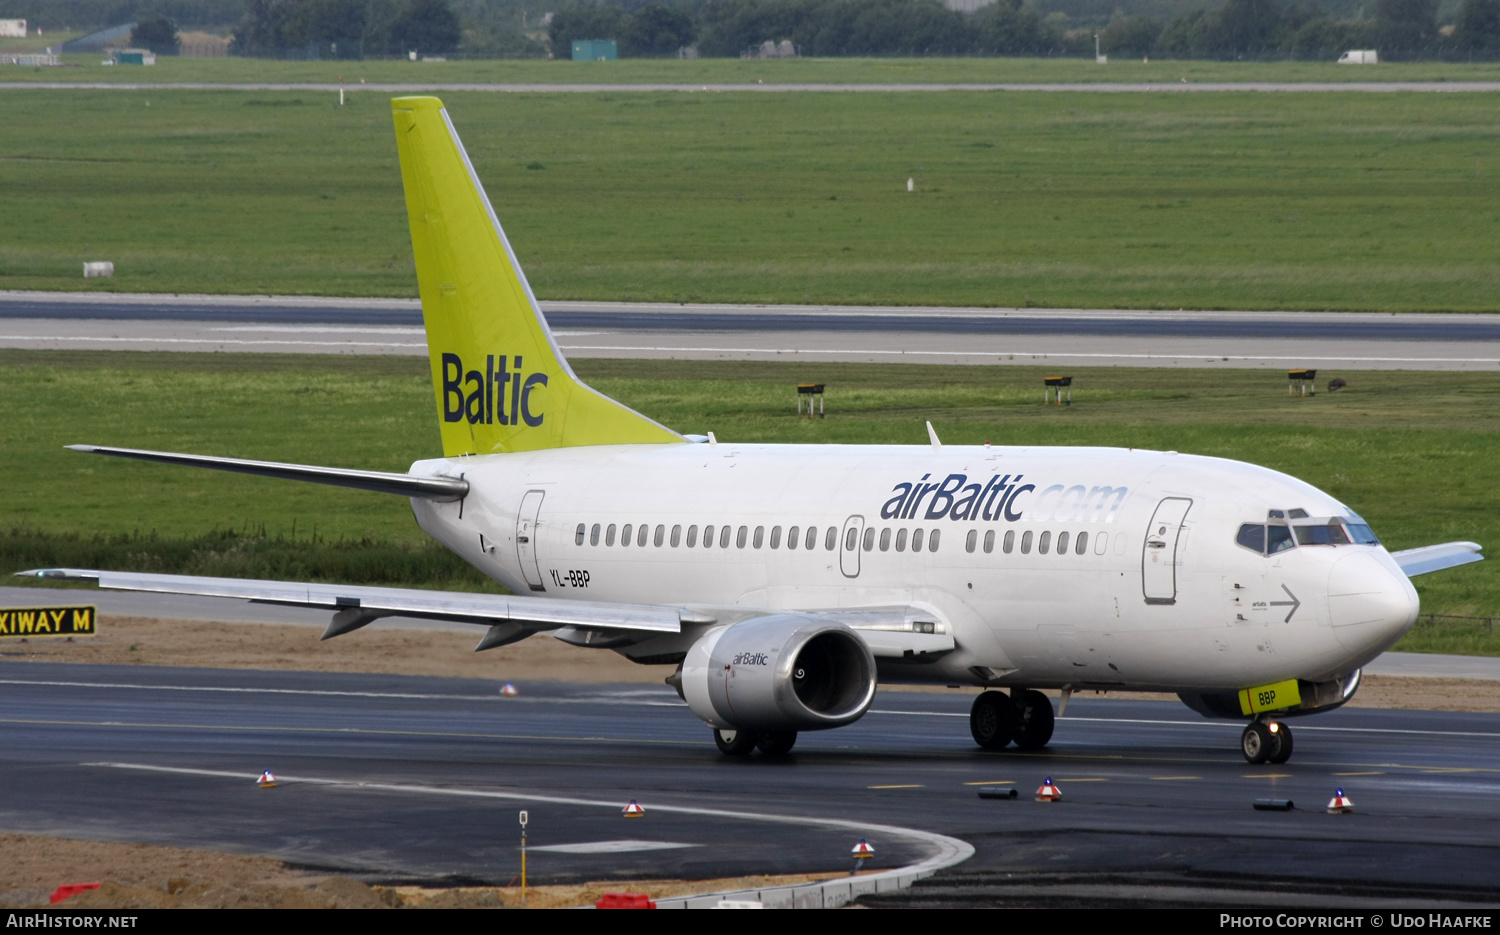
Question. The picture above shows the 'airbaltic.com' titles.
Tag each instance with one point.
(778, 584)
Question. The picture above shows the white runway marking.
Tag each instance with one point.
(947, 851)
(794, 351)
(611, 698)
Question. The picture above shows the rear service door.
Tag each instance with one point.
(526, 522)
(849, 546)
(1159, 555)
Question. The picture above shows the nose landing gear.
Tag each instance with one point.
(1266, 742)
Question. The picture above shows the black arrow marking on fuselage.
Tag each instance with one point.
(1293, 603)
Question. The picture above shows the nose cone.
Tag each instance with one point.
(1370, 601)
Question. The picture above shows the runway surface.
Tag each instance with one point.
(414, 87)
(420, 779)
(289, 324)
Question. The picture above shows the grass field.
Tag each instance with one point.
(1308, 201)
(1418, 455)
(722, 71)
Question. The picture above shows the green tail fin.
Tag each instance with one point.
(500, 380)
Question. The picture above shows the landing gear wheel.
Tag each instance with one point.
(1256, 743)
(1282, 745)
(993, 720)
(1034, 720)
(734, 742)
(776, 742)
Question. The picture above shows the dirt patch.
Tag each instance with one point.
(143, 876)
(143, 641)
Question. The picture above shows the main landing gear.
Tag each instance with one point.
(743, 742)
(1023, 717)
(1266, 742)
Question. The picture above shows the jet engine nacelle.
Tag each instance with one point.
(785, 672)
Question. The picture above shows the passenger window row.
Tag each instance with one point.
(639, 535)
(797, 537)
(1044, 542)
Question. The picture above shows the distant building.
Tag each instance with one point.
(595, 50)
(12, 29)
(966, 6)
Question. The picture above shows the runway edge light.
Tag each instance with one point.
(267, 780)
(1048, 792)
(633, 810)
(1340, 804)
(508, 691)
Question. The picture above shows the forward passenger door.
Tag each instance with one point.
(1160, 553)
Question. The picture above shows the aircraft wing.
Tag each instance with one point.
(1430, 558)
(509, 617)
(405, 485)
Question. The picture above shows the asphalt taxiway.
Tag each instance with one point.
(420, 779)
(1075, 337)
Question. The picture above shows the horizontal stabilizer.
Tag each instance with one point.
(1430, 558)
(406, 485)
(534, 613)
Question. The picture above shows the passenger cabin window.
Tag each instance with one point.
(869, 538)
(594, 535)
(724, 533)
(791, 537)
(831, 541)
(578, 536)
(885, 539)
(760, 536)
(1082, 547)
(640, 538)
(1062, 543)
(812, 538)
(1010, 542)
(625, 534)
(989, 541)
(676, 536)
(900, 540)
(932, 540)
(1025, 542)
(609, 536)
(692, 538)
(776, 537)
(708, 537)
(971, 541)
(1043, 542)
(661, 535)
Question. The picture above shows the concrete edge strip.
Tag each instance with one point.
(828, 894)
(809, 87)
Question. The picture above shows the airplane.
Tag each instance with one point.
(781, 583)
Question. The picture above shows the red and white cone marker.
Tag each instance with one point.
(1048, 792)
(1340, 804)
(508, 691)
(633, 810)
(863, 850)
(266, 780)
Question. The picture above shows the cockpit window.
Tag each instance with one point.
(1276, 514)
(1278, 539)
(1296, 514)
(1362, 534)
(1253, 537)
(1321, 534)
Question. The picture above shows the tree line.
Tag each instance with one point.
(347, 28)
(1237, 29)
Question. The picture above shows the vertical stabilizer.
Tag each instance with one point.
(500, 380)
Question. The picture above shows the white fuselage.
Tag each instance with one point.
(1152, 591)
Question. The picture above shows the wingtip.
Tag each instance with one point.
(84, 448)
(59, 574)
